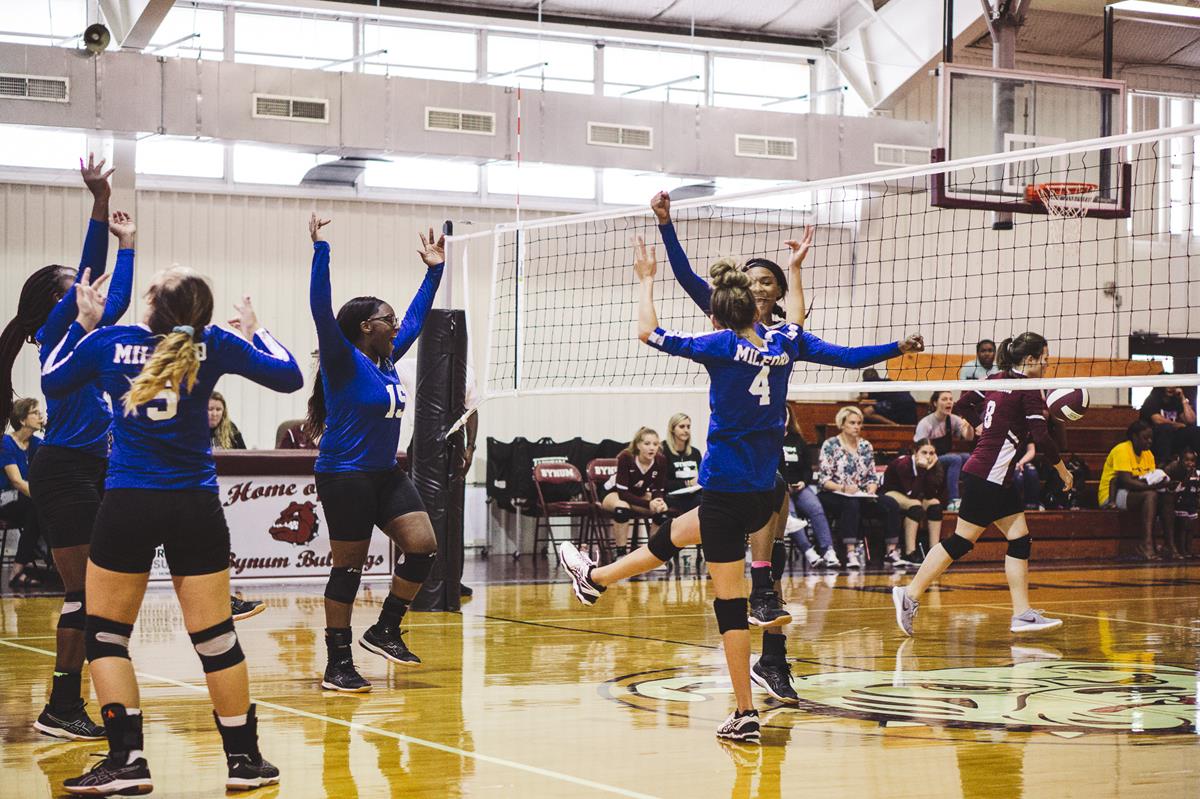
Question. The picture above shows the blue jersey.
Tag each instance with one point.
(812, 348)
(747, 401)
(13, 455)
(80, 419)
(364, 401)
(164, 444)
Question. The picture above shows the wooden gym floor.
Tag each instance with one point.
(527, 693)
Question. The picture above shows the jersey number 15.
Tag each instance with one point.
(396, 401)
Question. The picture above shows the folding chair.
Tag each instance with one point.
(560, 479)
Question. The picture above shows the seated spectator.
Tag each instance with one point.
(984, 363)
(1187, 505)
(795, 467)
(222, 432)
(291, 435)
(1131, 481)
(1171, 414)
(886, 407)
(683, 462)
(638, 487)
(1027, 480)
(846, 474)
(913, 491)
(942, 428)
(16, 508)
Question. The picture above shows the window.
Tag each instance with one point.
(304, 42)
(271, 165)
(788, 201)
(761, 84)
(204, 26)
(540, 64)
(428, 174)
(44, 148)
(1138, 395)
(631, 187)
(643, 74)
(419, 53)
(44, 22)
(541, 180)
(168, 155)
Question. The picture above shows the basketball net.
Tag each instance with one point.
(1067, 204)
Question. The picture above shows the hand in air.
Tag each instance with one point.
(914, 343)
(645, 264)
(246, 321)
(89, 300)
(433, 251)
(121, 225)
(315, 223)
(94, 176)
(660, 204)
(800, 248)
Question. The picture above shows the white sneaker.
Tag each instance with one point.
(579, 568)
(852, 560)
(894, 560)
(811, 556)
(1032, 621)
(831, 559)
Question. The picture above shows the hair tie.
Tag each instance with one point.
(191, 331)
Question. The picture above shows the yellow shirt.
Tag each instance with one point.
(1123, 459)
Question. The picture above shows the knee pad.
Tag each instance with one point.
(74, 612)
(622, 514)
(661, 518)
(956, 546)
(660, 545)
(934, 513)
(218, 646)
(916, 513)
(1019, 548)
(415, 567)
(105, 638)
(731, 614)
(343, 584)
(778, 560)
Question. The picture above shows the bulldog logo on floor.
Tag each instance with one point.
(1066, 698)
(298, 524)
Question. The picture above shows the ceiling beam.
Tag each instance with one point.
(133, 22)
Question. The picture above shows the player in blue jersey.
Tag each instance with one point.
(355, 412)
(66, 478)
(161, 489)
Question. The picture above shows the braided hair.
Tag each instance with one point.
(42, 290)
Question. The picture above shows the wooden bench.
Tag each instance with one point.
(940, 366)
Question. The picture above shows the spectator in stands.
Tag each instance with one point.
(222, 432)
(914, 491)
(639, 486)
(846, 473)
(984, 363)
(1132, 481)
(1027, 480)
(886, 407)
(291, 435)
(683, 462)
(1174, 422)
(16, 508)
(796, 468)
(942, 428)
(1187, 505)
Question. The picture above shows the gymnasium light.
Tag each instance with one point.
(1148, 7)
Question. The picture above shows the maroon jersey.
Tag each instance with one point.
(1009, 419)
(632, 484)
(905, 477)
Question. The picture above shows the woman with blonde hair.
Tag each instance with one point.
(638, 487)
(223, 433)
(683, 464)
(846, 474)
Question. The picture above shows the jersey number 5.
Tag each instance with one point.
(761, 387)
(168, 412)
(396, 407)
(988, 412)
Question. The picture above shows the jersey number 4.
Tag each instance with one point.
(761, 387)
(395, 400)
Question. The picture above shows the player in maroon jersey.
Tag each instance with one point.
(1004, 419)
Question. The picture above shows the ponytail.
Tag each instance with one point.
(314, 419)
(1012, 351)
(41, 291)
(174, 366)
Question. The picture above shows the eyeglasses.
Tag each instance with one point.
(389, 320)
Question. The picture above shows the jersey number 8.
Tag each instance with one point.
(988, 412)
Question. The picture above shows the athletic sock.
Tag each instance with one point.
(393, 611)
(66, 690)
(760, 575)
(337, 643)
(774, 646)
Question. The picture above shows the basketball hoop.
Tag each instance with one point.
(1064, 200)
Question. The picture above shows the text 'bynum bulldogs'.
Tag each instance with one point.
(244, 492)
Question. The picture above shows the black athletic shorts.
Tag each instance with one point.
(727, 518)
(780, 491)
(356, 502)
(189, 525)
(67, 486)
(983, 501)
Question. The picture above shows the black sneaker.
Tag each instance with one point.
(741, 726)
(71, 725)
(387, 641)
(340, 675)
(245, 608)
(914, 558)
(247, 772)
(112, 776)
(766, 610)
(776, 679)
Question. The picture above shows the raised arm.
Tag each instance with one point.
(73, 363)
(433, 253)
(336, 352)
(795, 297)
(265, 361)
(696, 287)
(120, 290)
(970, 407)
(645, 266)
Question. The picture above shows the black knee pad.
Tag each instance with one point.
(916, 513)
(934, 513)
(778, 560)
(74, 612)
(105, 638)
(731, 614)
(660, 545)
(956, 546)
(343, 584)
(415, 567)
(218, 646)
(622, 514)
(1019, 547)
(661, 518)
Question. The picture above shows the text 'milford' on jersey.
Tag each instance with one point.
(747, 399)
(164, 444)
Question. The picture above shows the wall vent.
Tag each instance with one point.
(296, 109)
(900, 155)
(34, 87)
(748, 146)
(480, 123)
(606, 135)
